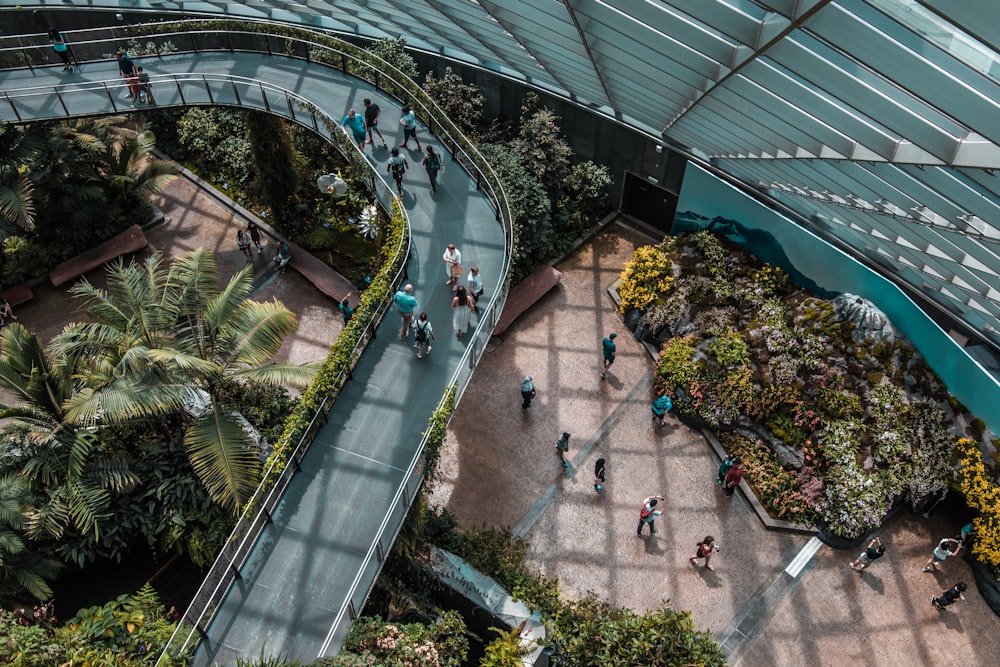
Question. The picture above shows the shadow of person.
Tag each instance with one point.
(710, 577)
(873, 582)
(951, 620)
(652, 546)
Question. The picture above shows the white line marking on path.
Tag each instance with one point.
(803, 557)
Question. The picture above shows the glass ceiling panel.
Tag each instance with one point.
(887, 94)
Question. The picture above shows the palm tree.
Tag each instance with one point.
(173, 335)
(128, 165)
(63, 458)
(17, 207)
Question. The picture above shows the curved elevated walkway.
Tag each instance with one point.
(292, 597)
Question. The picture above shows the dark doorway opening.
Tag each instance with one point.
(649, 203)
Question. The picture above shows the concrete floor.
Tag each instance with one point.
(826, 615)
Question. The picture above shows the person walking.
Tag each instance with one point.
(527, 392)
(733, 477)
(423, 334)
(648, 514)
(609, 349)
(950, 596)
(661, 406)
(562, 446)
(6, 311)
(461, 308)
(354, 125)
(61, 46)
(372, 114)
(599, 475)
(452, 265)
(706, 548)
(254, 231)
(873, 552)
(345, 308)
(432, 164)
(145, 86)
(405, 303)
(283, 256)
(397, 166)
(127, 69)
(945, 549)
(475, 288)
(727, 463)
(409, 123)
(243, 241)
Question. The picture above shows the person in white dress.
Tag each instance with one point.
(461, 307)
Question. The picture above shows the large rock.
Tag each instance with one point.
(870, 323)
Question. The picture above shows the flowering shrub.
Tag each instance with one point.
(729, 349)
(440, 644)
(770, 279)
(978, 485)
(776, 488)
(648, 275)
(676, 366)
(890, 416)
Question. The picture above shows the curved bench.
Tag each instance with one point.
(525, 295)
(129, 241)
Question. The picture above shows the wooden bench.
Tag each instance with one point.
(324, 278)
(18, 294)
(129, 241)
(525, 294)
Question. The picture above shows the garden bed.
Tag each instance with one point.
(834, 413)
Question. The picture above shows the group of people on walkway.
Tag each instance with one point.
(363, 128)
(945, 549)
(464, 303)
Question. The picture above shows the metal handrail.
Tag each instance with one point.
(462, 150)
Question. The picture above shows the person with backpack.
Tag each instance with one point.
(648, 514)
(423, 335)
(397, 167)
(432, 163)
(243, 241)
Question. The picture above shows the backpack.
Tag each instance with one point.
(645, 512)
(421, 335)
(434, 162)
(398, 167)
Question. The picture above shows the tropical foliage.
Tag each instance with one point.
(744, 350)
(978, 484)
(130, 630)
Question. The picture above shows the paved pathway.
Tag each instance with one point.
(297, 579)
(770, 601)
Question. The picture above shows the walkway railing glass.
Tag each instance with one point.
(161, 39)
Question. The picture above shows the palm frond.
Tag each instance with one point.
(220, 454)
(279, 374)
(256, 332)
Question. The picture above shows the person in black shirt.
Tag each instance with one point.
(372, 113)
(950, 596)
(874, 551)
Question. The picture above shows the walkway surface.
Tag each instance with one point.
(824, 615)
(297, 578)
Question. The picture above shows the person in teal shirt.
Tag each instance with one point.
(609, 348)
(355, 124)
(661, 407)
(405, 304)
(345, 308)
